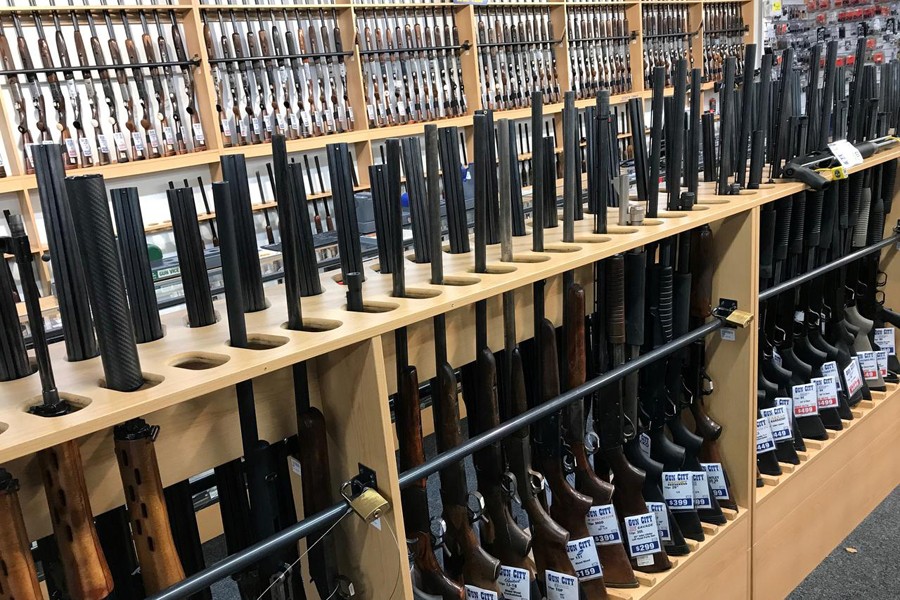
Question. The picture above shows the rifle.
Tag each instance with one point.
(121, 146)
(427, 75)
(276, 124)
(326, 94)
(439, 104)
(303, 123)
(290, 124)
(152, 138)
(19, 577)
(218, 83)
(159, 90)
(187, 74)
(339, 113)
(37, 99)
(488, 85)
(70, 151)
(316, 116)
(346, 110)
(262, 126)
(18, 99)
(414, 100)
(180, 146)
(137, 140)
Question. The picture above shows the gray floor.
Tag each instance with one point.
(872, 572)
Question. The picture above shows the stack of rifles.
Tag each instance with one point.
(630, 479)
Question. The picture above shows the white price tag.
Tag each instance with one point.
(477, 593)
(826, 392)
(830, 369)
(242, 126)
(776, 358)
(846, 153)
(715, 475)
(806, 402)
(881, 357)
(71, 149)
(307, 121)
(701, 490)
(268, 124)
(282, 122)
(764, 441)
(662, 520)
(644, 444)
(727, 334)
(295, 122)
(103, 143)
(560, 586)
(154, 139)
(884, 339)
(119, 139)
(779, 422)
(603, 524)
(853, 377)
(138, 140)
(169, 135)
(678, 489)
(514, 583)
(257, 127)
(583, 554)
(198, 133)
(868, 362)
(226, 127)
(643, 535)
(370, 112)
(85, 147)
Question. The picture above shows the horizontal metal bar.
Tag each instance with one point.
(457, 49)
(680, 34)
(521, 43)
(253, 554)
(809, 276)
(240, 59)
(730, 31)
(193, 62)
(606, 38)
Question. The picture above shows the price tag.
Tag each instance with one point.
(477, 593)
(701, 490)
(350, 115)
(764, 441)
(154, 139)
(826, 392)
(845, 153)
(662, 520)
(884, 339)
(242, 126)
(138, 140)
(853, 377)
(830, 369)
(776, 358)
(71, 149)
(86, 149)
(787, 403)
(643, 536)
(806, 402)
(560, 586)
(307, 120)
(295, 122)
(282, 122)
(169, 135)
(257, 127)
(514, 583)
(779, 422)
(727, 334)
(342, 114)
(583, 554)
(678, 489)
(644, 444)
(868, 362)
(715, 475)
(73, 91)
(776, 8)
(226, 127)
(119, 139)
(881, 357)
(603, 524)
(198, 133)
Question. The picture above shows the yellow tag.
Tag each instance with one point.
(776, 7)
(839, 173)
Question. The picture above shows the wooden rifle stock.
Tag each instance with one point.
(87, 573)
(18, 577)
(415, 497)
(135, 452)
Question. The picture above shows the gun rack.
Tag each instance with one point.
(190, 375)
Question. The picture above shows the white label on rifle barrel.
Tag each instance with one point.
(701, 490)
(806, 401)
(881, 358)
(603, 524)
(830, 369)
(643, 535)
(477, 593)
(826, 392)
(764, 441)
(884, 339)
(583, 555)
(678, 489)
(779, 422)
(662, 520)
(845, 153)
(868, 362)
(514, 583)
(560, 586)
(715, 475)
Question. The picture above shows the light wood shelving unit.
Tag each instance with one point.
(351, 360)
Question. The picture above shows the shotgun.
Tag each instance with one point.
(139, 149)
(70, 152)
(18, 578)
(18, 99)
(151, 139)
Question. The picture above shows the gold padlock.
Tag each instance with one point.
(739, 318)
(368, 504)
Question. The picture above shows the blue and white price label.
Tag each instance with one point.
(515, 584)
(701, 490)
(830, 369)
(643, 535)
(603, 524)
(884, 339)
(662, 520)
(477, 593)
(560, 586)
(764, 441)
(806, 401)
(853, 376)
(715, 475)
(826, 392)
(881, 357)
(678, 489)
(583, 554)
(779, 422)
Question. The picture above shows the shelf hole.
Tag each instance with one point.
(316, 325)
(187, 323)
(496, 270)
(74, 402)
(592, 238)
(620, 229)
(199, 361)
(376, 307)
(3, 427)
(562, 248)
(460, 280)
(151, 380)
(530, 258)
(420, 294)
(263, 341)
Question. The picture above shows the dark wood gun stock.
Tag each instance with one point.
(433, 579)
(150, 528)
(702, 264)
(87, 573)
(18, 577)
